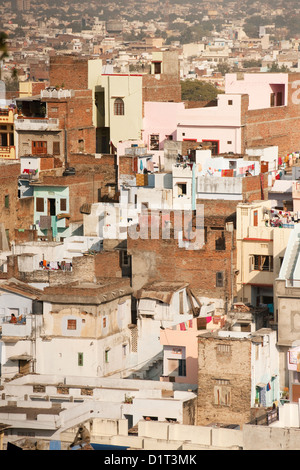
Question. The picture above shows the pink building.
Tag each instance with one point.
(265, 90)
(160, 123)
(180, 348)
(223, 125)
(236, 123)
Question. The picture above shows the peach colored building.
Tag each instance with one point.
(180, 347)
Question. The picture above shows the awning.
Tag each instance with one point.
(21, 357)
(261, 385)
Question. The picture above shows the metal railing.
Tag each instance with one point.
(267, 418)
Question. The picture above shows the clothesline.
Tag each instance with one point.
(56, 265)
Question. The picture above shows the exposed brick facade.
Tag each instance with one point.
(15, 213)
(273, 126)
(162, 259)
(69, 71)
(75, 117)
(224, 381)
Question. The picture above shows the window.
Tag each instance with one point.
(181, 189)
(157, 67)
(104, 322)
(56, 148)
(261, 263)
(6, 201)
(71, 325)
(124, 349)
(279, 99)
(224, 348)
(154, 142)
(63, 204)
(125, 259)
(176, 367)
(4, 140)
(80, 145)
(182, 367)
(39, 204)
(230, 102)
(255, 218)
(80, 359)
(220, 244)
(220, 279)
(39, 147)
(222, 393)
(119, 109)
(181, 309)
(106, 355)
(272, 99)
(214, 146)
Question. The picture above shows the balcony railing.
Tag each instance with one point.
(38, 124)
(22, 328)
(266, 419)
(6, 116)
(8, 152)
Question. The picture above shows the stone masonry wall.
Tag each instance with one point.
(224, 381)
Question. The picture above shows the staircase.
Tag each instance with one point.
(152, 370)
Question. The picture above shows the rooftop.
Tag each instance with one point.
(160, 290)
(102, 291)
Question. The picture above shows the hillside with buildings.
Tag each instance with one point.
(149, 226)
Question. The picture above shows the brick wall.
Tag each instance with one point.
(166, 88)
(69, 71)
(255, 188)
(273, 126)
(221, 372)
(107, 265)
(19, 213)
(91, 174)
(126, 165)
(162, 259)
(75, 115)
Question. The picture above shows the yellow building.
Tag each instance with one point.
(261, 237)
(7, 144)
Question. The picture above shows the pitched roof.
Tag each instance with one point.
(15, 286)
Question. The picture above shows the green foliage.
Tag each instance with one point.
(275, 68)
(251, 63)
(196, 90)
(3, 45)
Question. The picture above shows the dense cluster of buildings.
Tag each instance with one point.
(149, 259)
(210, 37)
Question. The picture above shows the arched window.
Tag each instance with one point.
(119, 107)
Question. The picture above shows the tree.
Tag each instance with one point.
(196, 90)
(3, 48)
(275, 68)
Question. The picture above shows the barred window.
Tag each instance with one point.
(71, 325)
(119, 109)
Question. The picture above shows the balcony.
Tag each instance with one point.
(21, 329)
(6, 116)
(36, 124)
(8, 152)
